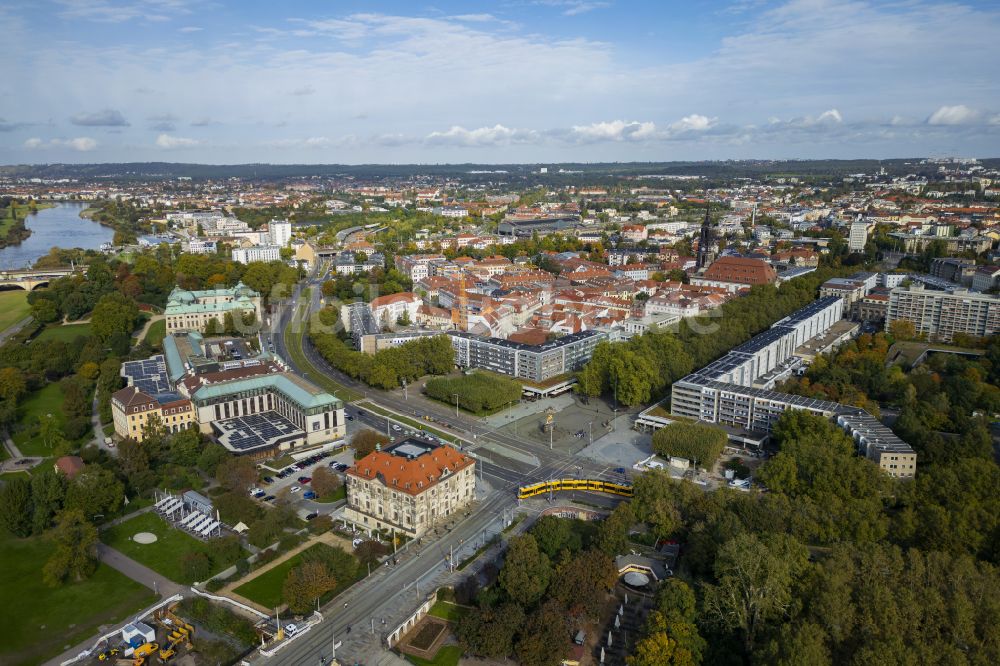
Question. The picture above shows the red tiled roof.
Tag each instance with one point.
(412, 476)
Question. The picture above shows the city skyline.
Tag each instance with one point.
(554, 80)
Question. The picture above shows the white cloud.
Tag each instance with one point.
(575, 7)
(693, 123)
(81, 144)
(954, 115)
(614, 130)
(169, 142)
(498, 135)
(105, 11)
(191, 28)
(831, 116)
(103, 118)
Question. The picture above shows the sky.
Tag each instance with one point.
(536, 81)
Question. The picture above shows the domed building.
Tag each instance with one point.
(193, 310)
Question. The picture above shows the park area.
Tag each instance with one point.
(65, 333)
(171, 552)
(47, 400)
(266, 589)
(13, 307)
(39, 621)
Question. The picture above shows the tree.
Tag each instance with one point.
(48, 491)
(490, 632)
(114, 313)
(755, 578)
(15, 505)
(526, 571)
(365, 441)
(44, 310)
(581, 584)
(613, 533)
(186, 447)
(12, 384)
(95, 491)
(700, 443)
(238, 474)
(543, 637)
(324, 482)
(902, 330)
(75, 555)
(658, 649)
(305, 584)
(196, 566)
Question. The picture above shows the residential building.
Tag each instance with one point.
(534, 363)
(942, 314)
(279, 232)
(132, 409)
(410, 487)
(387, 310)
(192, 310)
(246, 255)
(985, 278)
(858, 236)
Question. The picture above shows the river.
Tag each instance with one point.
(59, 226)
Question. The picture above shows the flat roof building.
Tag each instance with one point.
(534, 363)
(941, 314)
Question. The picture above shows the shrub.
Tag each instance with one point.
(694, 441)
(479, 392)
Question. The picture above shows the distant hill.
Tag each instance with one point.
(518, 172)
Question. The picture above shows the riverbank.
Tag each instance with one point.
(13, 230)
(56, 224)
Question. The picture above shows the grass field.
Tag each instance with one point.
(13, 308)
(337, 495)
(48, 400)
(38, 621)
(65, 333)
(448, 655)
(165, 555)
(265, 589)
(157, 331)
(293, 342)
(448, 611)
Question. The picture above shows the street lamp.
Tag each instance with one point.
(456, 404)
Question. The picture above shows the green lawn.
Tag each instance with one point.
(338, 494)
(65, 333)
(48, 400)
(448, 655)
(448, 611)
(38, 621)
(293, 342)
(265, 589)
(165, 555)
(13, 307)
(157, 331)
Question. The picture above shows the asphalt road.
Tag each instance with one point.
(398, 589)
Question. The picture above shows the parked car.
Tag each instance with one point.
(268, 479)
(269, 498)
(396, 427)
(304, 479)
(311, 515)
(309, 494)
(295, 489)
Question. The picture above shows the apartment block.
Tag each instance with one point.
(941, 314)
(534, 363)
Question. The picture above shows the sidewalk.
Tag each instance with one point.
(138, 572)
